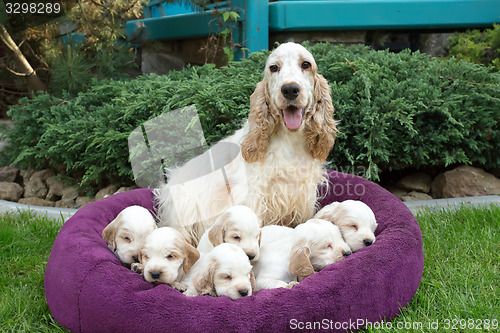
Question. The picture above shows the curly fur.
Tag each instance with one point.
(284, 144)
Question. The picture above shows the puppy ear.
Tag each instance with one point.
(300, 265)
(320, 128)
(109, 233)
(262, 123)
(252, 280)
(191, 257)
(203, 282)
(217, 233)
(328, 212)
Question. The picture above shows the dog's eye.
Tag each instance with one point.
(354, 227)
(306, 65)
(236, 238)
(169, 257)
(127, 239)
(227, 277)
(274, 68)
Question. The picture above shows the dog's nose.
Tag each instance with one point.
(346, 253)
(136, 258)
(368, 242)
(155, 275)
(243, 292)
(251, 256)
(290, 90)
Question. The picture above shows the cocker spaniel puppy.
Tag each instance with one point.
(290, 255)
(224, 271)
(166, 257)
(238, 225)
(355, 220)
(126, 234)
(285, 141)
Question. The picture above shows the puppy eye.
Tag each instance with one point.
(236, 238)
(306, 65)
(127, 239)
(169, 256)
(227, 277)
(273, 68)
(354, 227)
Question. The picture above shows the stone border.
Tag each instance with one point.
(51, 212)
(451, 203)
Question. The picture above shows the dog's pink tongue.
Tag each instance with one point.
(293, 117)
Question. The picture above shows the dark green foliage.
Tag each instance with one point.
(480, 47)
(395, 110)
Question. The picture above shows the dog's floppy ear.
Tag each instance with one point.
(203, 282)
(300, 265)
(217, 233)
(337, 214)
(191, 257)
(262, 123)
(320, 127)
(252, 280)
(109, 233)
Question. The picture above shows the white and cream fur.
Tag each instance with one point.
(283, 144)
(238, 225)
(166, 258)
(224, 271)
(125, 235)
(355, 220)
(290, 255)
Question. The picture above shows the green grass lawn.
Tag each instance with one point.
(459, 288)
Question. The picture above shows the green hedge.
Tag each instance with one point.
(396, 111)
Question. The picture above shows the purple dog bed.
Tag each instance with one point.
(88, 290)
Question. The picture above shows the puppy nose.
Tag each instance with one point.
(136, 258)
(346, 253)
(290, 90)
(368, 242)
(155, 275)
(251, 256)
(243, 292)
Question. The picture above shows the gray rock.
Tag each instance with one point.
(82, 201)
(125, 189)
(65, 203)
(34, 201)
(414, 196)
(26, 175)
(419, 181)
(35, 188)
(56, 188)
(69, 193)
(43, 174)
(8, 174)
(106, 192)
(465, 181)
(397, 192)
(10, 191)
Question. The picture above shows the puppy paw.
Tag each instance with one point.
(137, 268)
(291, 284)
(190, 293)
(179, 286)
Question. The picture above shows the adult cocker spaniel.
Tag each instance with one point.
(280, 154)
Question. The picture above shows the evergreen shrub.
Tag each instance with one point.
(396, 111)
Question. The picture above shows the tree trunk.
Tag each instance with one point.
(34, 82)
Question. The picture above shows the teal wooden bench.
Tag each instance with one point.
(258, 18)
